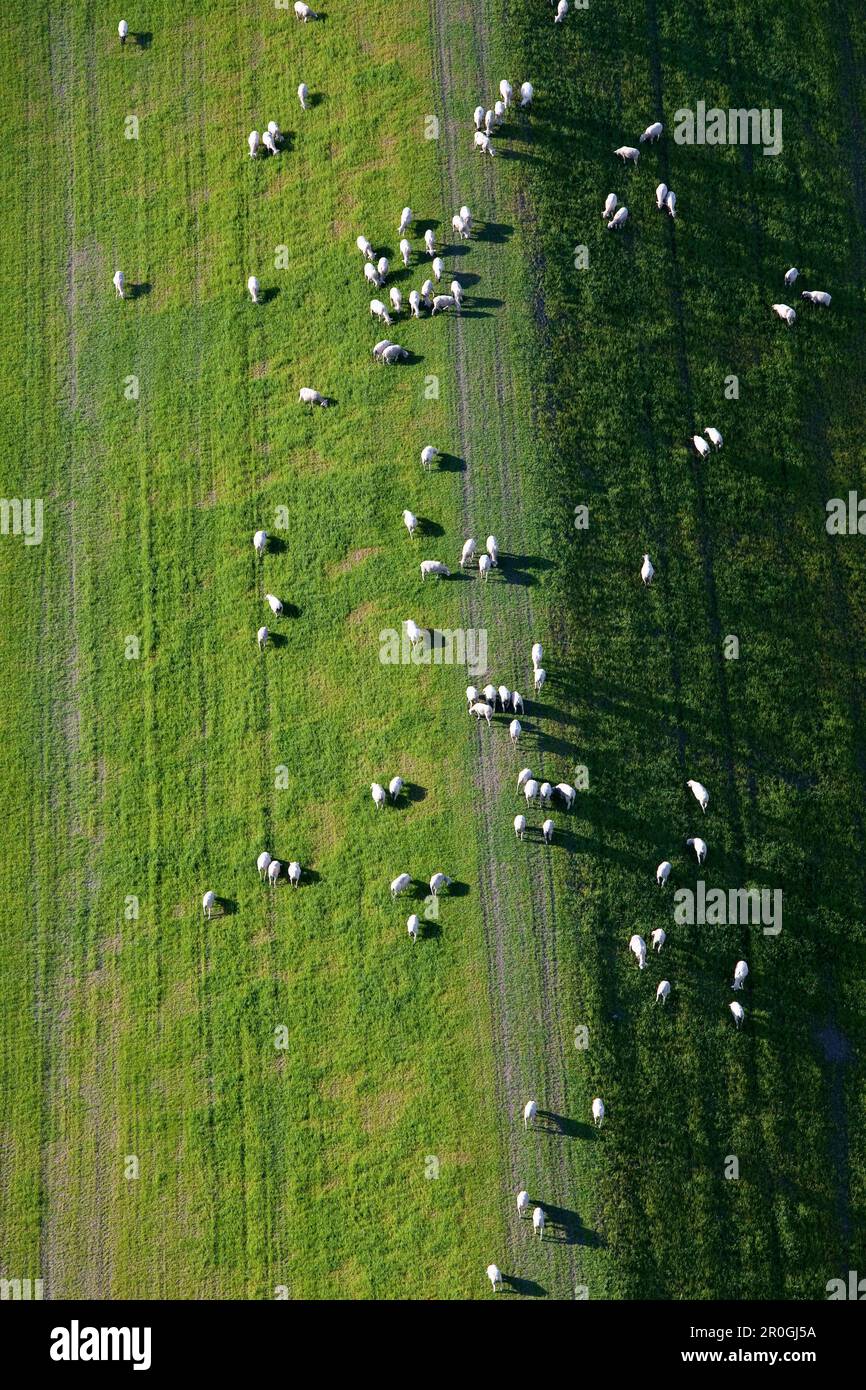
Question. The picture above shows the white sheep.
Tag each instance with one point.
(484, 143)
(527, 92)
(738, 1011)
(303, 96)
(478, 117)
(122, 31)
(405, 252)
(430, 242)
(489, 122)
(714, 437)
(671, 202)
(208, 903)
(628, 154)
(460, 227)
(538, 1222)
(499, 112)
(437, 268)
(260, 540)
(567, 792)
(393, 354)
(415, 303)
(492, 548)
(522, 1202)
(413, 632)
(435, 567)
(490, 694)
(269, 142)
(785, 312)
(467, 216)
(118, 280)
(618, 220)
(253, 142)
(439, 881)
(395, 294)
(263, 863)
(700, 793)
(663, 991)
(467, 552)
(561, 11)
(400, 884)
(701, 446)
(651, 133)
(274, 870)
(484, 565)
(506, 91)
(539, 677)
(661, 194)
(530, 790)
(372, 276)
(537, 654)
(378, 310)
(637, 946)
(699, 846)
(427, 293)
(457, 291)
(378, 794)
(274, 604)
(383, 265)
(482, 710)
(547, 831)
(659, 937)
(294, 873)
(309, 396)
(395, 786)
(494, 1274)
(410, 521)
(504, 695)
(520, 826)
(515, 729)
(663, 872)
(545, 792)
(523, 776)
(471, 695)
(791, 276)
(442, 302)
(647, 570)
(609, 208)
(413, 925)
(262, 638)
(253, 287)
(598, 1111)
(405, 221)
(303, 11)
(365, 248)
(817, 297)
(530, 1110)
(517, 702)
(380, 347)
(741, 970)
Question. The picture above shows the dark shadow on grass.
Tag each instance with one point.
(451, 463)
(414, 792)
(276, 545)
(548, 1122)
(527, 1287)
(227, 906)
(268, 295)
(495, 231)
(426, 527)
(140, 290)
(142, 40)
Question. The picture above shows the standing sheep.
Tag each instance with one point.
(208, 902)
(304, 96)
(413, 925)
(637, 946)
(122, 31)
(520, 826)
(547, 831)
(647, 570)
(253, 142)
(253, 287)
(260, 540)
(262, 638)
(405, 221)
(263, 863)
(378, 794)
(405, 252)
(598, 1111)
(530, 1110)
(410, 521)
(118, 280)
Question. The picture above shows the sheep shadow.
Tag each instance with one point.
(277, 639)
(276, 545)
(413, 792)
(468, 278)
(227, 907)
(477, 302)
(142, 40)
(495, 231)
(429, 528)
(140, 290)
(429, 930)
(548, 1122)
(451, 463)
(269, 295)
(316, 99)
(287, 142)
(456, 889)
(564, 1227)
(528, 1288)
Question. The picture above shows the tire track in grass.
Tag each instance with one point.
(521, 1074)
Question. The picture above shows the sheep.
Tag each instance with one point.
(661, 194)
(817, 297)
(561, 11)
(378, 310)
(527, 92)
(405, 221)
(460, 227)
(274, 604)
(609, 208)
(506, 91)
(618, 220)
(515, 729)
(396, 297)
(443, 302)
(494, 1274)
(567, 792)
(365, 248)
(303, 95)
(499, 112)
(651, 133)
(517, 702)
(478, 117)
(491, 694)
(263, 863)
(253, 142)
(785, 312)
(699, 846)
(471, 695)
(274, 870)
(547, 831)
(435, 567)
(427, 293)
(415, 303)
(489, 123)
(530, 1110)
(118, 280)
(482, 710)
(405, 252)
(260, 540)
(714, 437)
(539, 677)
(400, 884)
(395, 786)
(663, 872)
(791, 276)
(522, 1203)
(637, 946)
(309, 396)
(520, 826)
(663, 991)
(671, 202)
(269, 142)
(253, 287)
(457, 291)
(701, 446)
(491, 545)
(438, 267)
(628, 153)
(439, 881)
(410, 521)
(700, 792)
(530, 790)
(484, 565)
(304, 12)
(467, 217)
(523, 776)
(537, 654)
(647, 570)
(380, 347)
(372, 276)
(413, 924)
(383, 265)
(430, 242)
(484, 143)
(413, 632)
(208, 902)
(393, 354)
(659, 937)
(468, 552)
(598, 1111)
(262, 638)
(741, 970)
(504, 697)
(538, 1222)
(738, 1011)
(545, 792)
(378, 794)
(122, 31)
(294, 873)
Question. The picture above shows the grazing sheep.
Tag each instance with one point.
(457, 291)
(741, 970)
(618, 220)
(547, 831)
(260, 540)
(661, 194)
(489, 122)
(561, 11)
(415, 303)
(490, 694)
(263, 862)
(400, 884)
(738, 1011)
(394, 354)
(478, 117)
(817, 297)
(378, 794)
(791, 276)
(443, 302)
(395, 786)
(520, 826)
(609, 208)
(396, 297)
(274, 870)
(304, 12)
(208, 902)
(427, 293)
(701, 446)
(380, 347)
(637, 946)
(405, 252)
(471, 695)
(410, 521)
(122, 31)
(523, 776)
(517, 702)
(663, 991)
(714, 437)
(253, 287)
(515, 729)
(309, 396)
(484, 143)
(467, 216)
(785, 312)
(437, 268)
(405, 221)
(294, 873)
(545, 792)
(522, 1203)
(413, 925)
(435, 567)
(118, 280)
(494, 1274)
(274, 604)
(506, 91)
(567, 792)
(598, 1111)
(499, 112)
(253, 142)
(530, 790)
(659, 937)
(460, 227)
(651, 133)
(663, 872)
(700, 792)
(484, 565)
(699, 846)
(628, 153)
(504, 695)
(365, 248)
(530, 1110)
(378, 310)
(439, 881)
(538, 1222)
(303, 96)
(482, 710)
(372, 276)
(262, 638)
(647, 570)
(468, 552)
(527, 92)
(430, 242)
(492, 548)
(671, 202)
(413, 632)
(537, 654)
(540, 676)
(383, 265)
(269, 142)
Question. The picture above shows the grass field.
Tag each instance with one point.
(150, 752)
